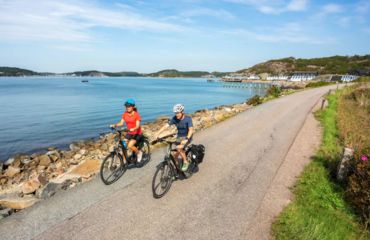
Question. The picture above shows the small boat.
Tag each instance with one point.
(211, 80)
(85, 81)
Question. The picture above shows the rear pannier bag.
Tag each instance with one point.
(197, 153)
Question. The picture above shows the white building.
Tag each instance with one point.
(348, 78)
(303, 76)
(278, 78)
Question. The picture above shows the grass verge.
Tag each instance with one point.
(319, 210)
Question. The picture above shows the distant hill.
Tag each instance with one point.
(94, 73)
(325, 65)
(176, 73)
(16, 72)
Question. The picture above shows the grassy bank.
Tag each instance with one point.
(319, 210)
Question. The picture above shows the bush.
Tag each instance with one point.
(273, 91)
(354, 132)
(358, 187)
(255, 100)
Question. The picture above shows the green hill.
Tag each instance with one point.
(95, 73)
(325, 65)
(176, 73)
(16, 72)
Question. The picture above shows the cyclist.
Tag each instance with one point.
(132, 119)
(185, 130)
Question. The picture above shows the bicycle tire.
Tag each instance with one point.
(118, 170)
(166, 178)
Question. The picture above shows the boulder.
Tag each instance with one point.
(49, 190)
(343, 165)
(87, 168)
(77, 156)
(12, 171)
(74, 147)
(6, 212)
(17, 202)
(30, 186)
(43, 180)
(44, 160)
(9, 161)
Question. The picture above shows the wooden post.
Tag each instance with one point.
(322, 103)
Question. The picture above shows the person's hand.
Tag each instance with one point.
(183, 142)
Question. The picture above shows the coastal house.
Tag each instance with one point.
(348, 78)
(278, 78)
(303, 76)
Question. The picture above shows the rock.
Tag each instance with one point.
(9, 161)
(87, 168)
(41, 168)
(30, 186)
(6, 212)
(68, 154)
(18, 203)
(42, 179)
(49, 190)
(44, 160)
(3, 181)
(74, 147)
(105, 147)
(12, 171)
(83, 152)
(343, 165)
(25, 161)
(77, 156)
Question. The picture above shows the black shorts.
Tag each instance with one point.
(135, 137)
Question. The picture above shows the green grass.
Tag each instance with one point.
(319, 210)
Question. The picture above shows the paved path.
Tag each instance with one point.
(243, 154)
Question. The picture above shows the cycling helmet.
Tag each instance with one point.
(178, 108)
(130, 102)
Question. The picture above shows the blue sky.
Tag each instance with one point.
(147, 36)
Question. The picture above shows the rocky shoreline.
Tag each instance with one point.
(27, 179)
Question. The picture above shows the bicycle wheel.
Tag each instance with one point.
(112, 168)
(162, 180)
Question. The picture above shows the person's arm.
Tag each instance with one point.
(161, 130)
(136, 127)
(119, 124)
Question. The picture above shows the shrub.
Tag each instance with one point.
(255, 100)
(354, 131)
(273, 91)
(358, 187)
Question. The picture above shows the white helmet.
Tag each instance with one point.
(178, 108)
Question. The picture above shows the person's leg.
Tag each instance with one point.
(131, 145)
(185, 164)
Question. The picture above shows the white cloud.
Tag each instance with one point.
(69, 20)
(275, 7)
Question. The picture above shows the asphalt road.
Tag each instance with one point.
(243, 154)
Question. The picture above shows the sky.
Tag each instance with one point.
(148, 36)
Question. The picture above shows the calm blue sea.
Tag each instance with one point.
(39, 112)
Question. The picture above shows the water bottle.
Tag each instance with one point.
(124, 143)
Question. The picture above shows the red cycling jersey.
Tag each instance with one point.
(130, 121)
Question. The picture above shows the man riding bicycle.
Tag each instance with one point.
(132, 119)
(185, 130)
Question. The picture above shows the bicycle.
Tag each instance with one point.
(169, 169)
(117, 162)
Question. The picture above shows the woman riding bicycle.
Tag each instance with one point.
(185, 130)
(132, 119)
